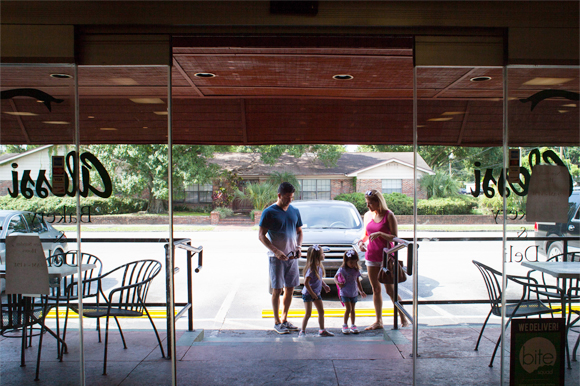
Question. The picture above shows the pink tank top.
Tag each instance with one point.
(375, 247)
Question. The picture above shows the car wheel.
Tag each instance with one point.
(556, 248)
(367, 287)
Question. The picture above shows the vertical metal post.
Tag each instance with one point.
(168, 273)
(190, 289)
(415, 260)
(395, 274)
(78, 211)
(171, 315)
(504, 235)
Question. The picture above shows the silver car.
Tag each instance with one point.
(17, 222)
(337, 227)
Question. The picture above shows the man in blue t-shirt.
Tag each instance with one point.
(281, 232)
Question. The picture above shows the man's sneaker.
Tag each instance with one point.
(289, 326)
(325, 333)
(345, 329)
(280, 329)
(302, 334)
(353, 329)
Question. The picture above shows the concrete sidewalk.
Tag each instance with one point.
(260, 357)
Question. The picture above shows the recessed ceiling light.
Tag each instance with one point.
(562, 111)
(547, 81)
(90, 117)
(108, 129)
(61, 76)
(151, 101)
(20, 113)
(56, 122)
(342, 77)
(570, 105)
(480, 79)
(453, 113)
(204, 75)
(420, 126)
(439, 119)
(160, 112)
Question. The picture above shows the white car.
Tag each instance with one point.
(337, 227)
(21, 222)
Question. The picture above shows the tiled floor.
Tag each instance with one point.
(261, 357)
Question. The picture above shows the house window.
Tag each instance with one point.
(198, 193)
(314, 189)
(392, 186)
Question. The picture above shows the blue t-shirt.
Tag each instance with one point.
(281, 225)
(315, 282)
(351, 275)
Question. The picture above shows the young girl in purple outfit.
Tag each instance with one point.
(313, 285)
(347, 279)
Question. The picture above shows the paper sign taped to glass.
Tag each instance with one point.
(26, 268)
(548, 194)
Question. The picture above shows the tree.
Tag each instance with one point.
(260, 195)
(269, 154)
(276, 178)
(141, 170)
(9, 149)
(439, 185)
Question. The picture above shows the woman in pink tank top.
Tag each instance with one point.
(381, 228)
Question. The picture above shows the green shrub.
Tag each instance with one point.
(224, 212)
(402, 204)
(492, 205)
(399, 203)
(98, 206)
(445, 206)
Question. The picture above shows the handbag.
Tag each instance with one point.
(386, 275)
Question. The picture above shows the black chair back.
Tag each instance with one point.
(69, 284)
(492, 278)
(133, 288)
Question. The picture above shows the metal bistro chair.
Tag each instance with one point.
(67, 290)
(127, 299)
(571, 325)
(531, 302)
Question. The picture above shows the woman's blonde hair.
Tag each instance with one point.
(376, 196)
(314, 260)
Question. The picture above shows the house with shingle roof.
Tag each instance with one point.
(387, 172)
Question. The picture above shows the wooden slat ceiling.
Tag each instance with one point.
(287, 95)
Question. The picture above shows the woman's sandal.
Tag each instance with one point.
(374, 326)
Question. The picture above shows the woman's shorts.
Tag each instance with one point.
(373, 263)
(346, 299)
(307, 298)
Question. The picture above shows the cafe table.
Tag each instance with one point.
(55, 274)
(565, 270)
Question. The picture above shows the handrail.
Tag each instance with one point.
(186, 245)
(400, 243)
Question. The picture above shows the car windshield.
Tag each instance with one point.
(329, 217)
